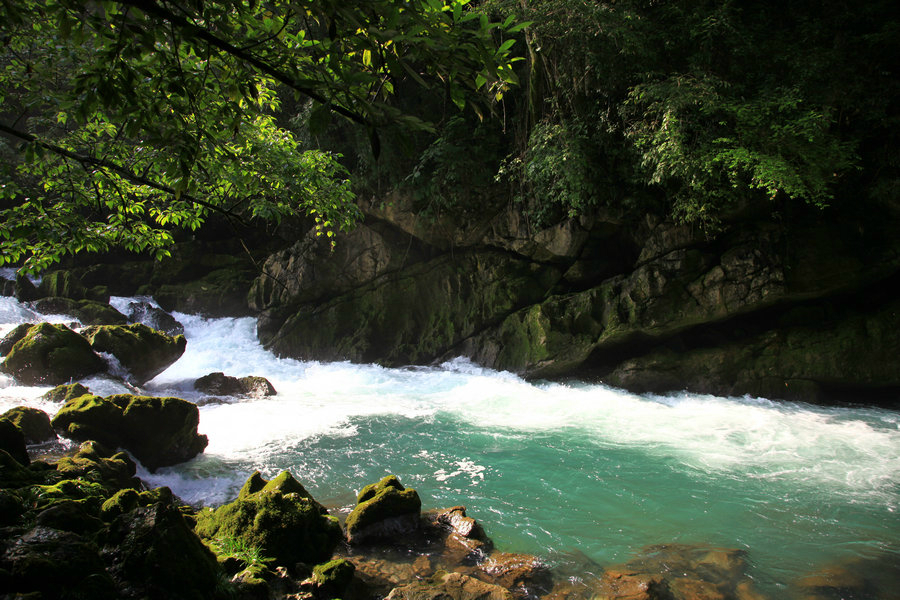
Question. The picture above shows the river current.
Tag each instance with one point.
(569, 471)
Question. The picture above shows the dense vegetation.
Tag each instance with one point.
(124, 120)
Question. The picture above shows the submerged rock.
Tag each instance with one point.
(279, 519)
(158, 431)
(383, 510)
(143, 351)
(33, 423)
(450, 586)
(219, 384)
(52, 354)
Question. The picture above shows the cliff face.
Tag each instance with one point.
(800, 307)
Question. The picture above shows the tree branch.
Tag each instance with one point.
(125, 173)
(151, 7)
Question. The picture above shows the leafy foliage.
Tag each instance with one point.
(127, 119)
(709, 104)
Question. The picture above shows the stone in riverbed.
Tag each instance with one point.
(219, 384)
(383, 510)
(52, 354)
(155, 318)
(143, 351)
(33, 423)
(277, 519)
(65, 392)
(10, 339)
(450, 586)
(89, 312)
(158, 431)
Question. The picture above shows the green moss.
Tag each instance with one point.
(333, 577)
(386, 499)
(32, 422)
(89, 417)
(51, 354)
(119, 503)
(145, 352)
(287, 526)
(66, 392)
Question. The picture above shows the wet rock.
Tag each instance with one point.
(158, 431)
(13, 474)
(57, 564)
(95, 462)
(332, 579)
(69, 515)
(88, 312)
(873, 577)
(143, 351)
(684, 588)
(523, 574)
(461, 539)
(153, 317)
(65, 392)
(10, 339)
(619, 585)
(121, 502)
(12, 441)
(219, 384)
(383, 510)
(450, 586)
(280, 520)
(153, 549)
(51, 354)
(32, 422)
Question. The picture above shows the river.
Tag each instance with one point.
(565, 470)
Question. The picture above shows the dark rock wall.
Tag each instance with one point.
(647, 305)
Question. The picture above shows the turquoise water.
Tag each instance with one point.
(558, 470)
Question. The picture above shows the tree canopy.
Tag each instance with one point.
(122, 120)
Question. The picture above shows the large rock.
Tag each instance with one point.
(33, 423)
(383, 511)
(279, 519)
(51, 354)
(412, 316)
(143, 351)
(153, 317)
(158, 431)
(89, 312)
(10, 339)
(153, 549)
(58, 564)
(219, 384)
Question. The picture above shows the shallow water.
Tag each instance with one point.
(558, 470)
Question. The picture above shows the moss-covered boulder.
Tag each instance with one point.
(332, 578)
(89, 312)
(219, 384)
(65, 392)
(143, 351)
(157, 431)
(152, 549)
(156, 318)
(51, 354)
(95, 462)
(13, 441)
(280, 523)
(32, 422)
(383, 510)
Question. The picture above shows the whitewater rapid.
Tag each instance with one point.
(549, 467)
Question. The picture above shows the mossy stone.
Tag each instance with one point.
(89, 312)
(385, 501)
(51, 354)
(14, 474)
(89, 417)
(145, 352)
(119, 503)
(95, 462)
(287, 526)
(333, 577)
(65, 392)
(32, 422)
(70, 515)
